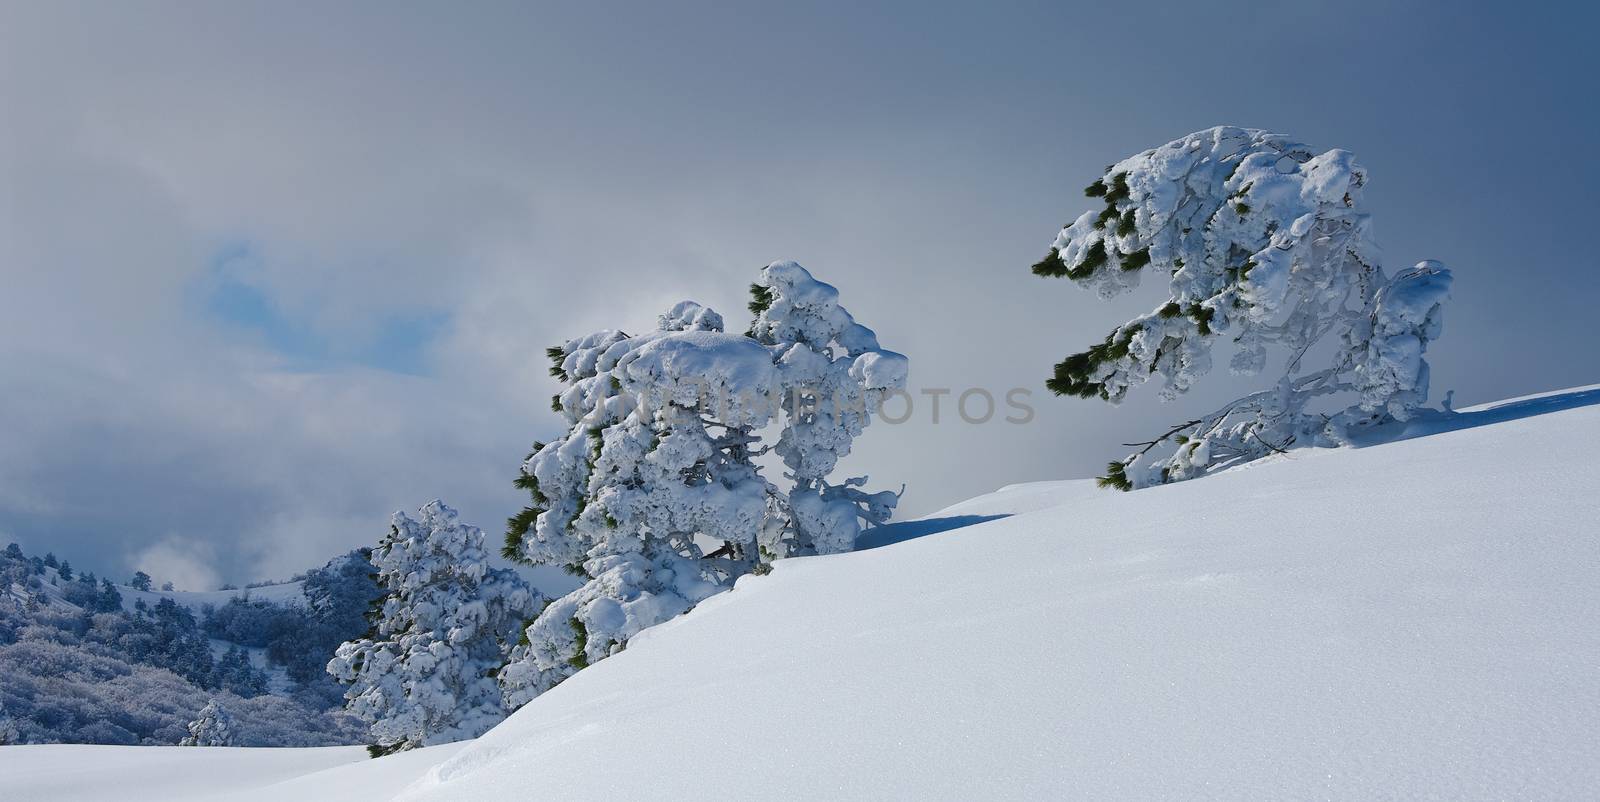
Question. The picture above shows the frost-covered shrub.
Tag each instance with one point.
(653, 495)
(213, 727)
(426, 673)
(1266, 243)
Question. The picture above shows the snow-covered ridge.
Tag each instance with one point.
(284, 593)
(1420, 618)
(281, 594)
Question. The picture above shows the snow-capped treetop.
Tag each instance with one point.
(833, 375)
(424, 561)
(1263, 239)
(729, 374)
(793, 307)
(1268, 242)
(690, 316)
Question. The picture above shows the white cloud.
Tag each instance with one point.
(185, 562)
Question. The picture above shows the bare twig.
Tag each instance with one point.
(1264, 442)
(1159, 440)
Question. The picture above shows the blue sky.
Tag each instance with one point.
(398, 341)
(274, 274)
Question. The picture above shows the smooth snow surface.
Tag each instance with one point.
(82, 773)
(155, 773)
(1419, 619)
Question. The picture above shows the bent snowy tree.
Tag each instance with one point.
(1267, 244)
(653, 497)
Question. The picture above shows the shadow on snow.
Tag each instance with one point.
(890, 534)
(1433, 421)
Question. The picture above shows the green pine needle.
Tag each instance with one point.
(1051, 266)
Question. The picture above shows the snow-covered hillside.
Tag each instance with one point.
(283, 593)
(1414, 619)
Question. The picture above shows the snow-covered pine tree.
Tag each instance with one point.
(425, 675)
(140, 581)
(653, 496)
(214, 727)
(1267, 243)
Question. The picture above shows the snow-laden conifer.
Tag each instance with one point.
(214, 727)
(653, 495)
(1266, 244)
(425, 674)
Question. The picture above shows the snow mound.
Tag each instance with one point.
(1416, 619)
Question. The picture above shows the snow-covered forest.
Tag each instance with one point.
(88, 660)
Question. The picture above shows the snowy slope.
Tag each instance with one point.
(286, 593)
(1414, 619)
(283, 594)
